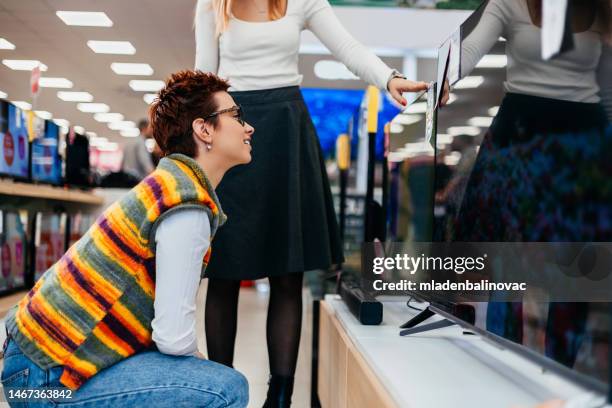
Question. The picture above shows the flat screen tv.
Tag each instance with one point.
(46, 161)
(13, 250)
(14, 147)
(49, 241)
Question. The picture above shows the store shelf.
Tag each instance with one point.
(48, 192)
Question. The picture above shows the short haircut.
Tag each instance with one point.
(187, 95)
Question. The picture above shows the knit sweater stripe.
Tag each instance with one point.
(94, 307)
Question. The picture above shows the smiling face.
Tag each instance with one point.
(230, 139)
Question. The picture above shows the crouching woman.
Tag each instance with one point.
(112, 323)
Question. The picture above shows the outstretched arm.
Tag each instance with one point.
(207, 43)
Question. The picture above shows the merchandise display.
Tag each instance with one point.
(46, 162)
(14, 146)
(14, 247)
(49, 241)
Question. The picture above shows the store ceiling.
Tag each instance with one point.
(160, 30)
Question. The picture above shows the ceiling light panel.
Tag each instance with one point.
(75, 96)
(85, 18)
(133, 132)
(24, 65)
(6, 44)
(128, 68)
(122, 125)
(93, 107)
(149, 98)
(112, 47)
(43, 114)
(3, 95)
(108, 117)
(146, 85)
(22, 105)
(48, 82)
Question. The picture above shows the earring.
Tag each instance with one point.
(209, 146)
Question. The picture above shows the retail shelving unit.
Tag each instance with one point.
(45, 192)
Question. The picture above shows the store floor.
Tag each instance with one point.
(251, 357)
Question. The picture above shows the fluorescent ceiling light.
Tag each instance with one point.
(493, 61)
(93, 107)
(463, 130)
(396, 128)
(108, 117)
(130, 132)
(47, 82)
(108, 147)
(493, 111)
(22, 105)
(85, 18)
(3, 95)
(6, 45)
(44, 114)
(404, 119)
(96, 141)
(75, 96)
(443, 138)
(452, 159)
(333, 70)
(79, 129)
(112, 47)
(24, 65)
(146, 85)
(149, 98)
(481, 121)
(91, 134)
(61, 122)
(470, 82)
(128, 68)
(418, 107)
(122, 125)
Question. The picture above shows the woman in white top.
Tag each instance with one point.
(281, 215)
(542, 172)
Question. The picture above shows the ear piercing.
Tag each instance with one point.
(209, 146)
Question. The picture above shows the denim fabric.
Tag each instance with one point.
(148, 379)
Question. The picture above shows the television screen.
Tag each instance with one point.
(46, 162)
(13, 247)
(50, 241)
(14, 145)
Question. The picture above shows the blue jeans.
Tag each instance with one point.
(148, 379)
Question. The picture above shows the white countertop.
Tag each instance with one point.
(447, 368)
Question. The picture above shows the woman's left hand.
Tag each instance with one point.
(397, 86)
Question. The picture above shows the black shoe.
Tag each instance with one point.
(279, 392)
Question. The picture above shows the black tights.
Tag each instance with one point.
(283, 326)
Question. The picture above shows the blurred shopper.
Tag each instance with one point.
(543, 171)
(137, 160)
(282, 216)
(114, 318)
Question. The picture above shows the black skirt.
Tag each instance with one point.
(281, 217)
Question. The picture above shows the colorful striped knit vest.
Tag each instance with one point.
(94, 307)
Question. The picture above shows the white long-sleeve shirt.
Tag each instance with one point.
(264, 55)
(570, 76)
(182, 240)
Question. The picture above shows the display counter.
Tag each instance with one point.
(372, 366)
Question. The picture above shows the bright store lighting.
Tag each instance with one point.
(122, 125)
(333, 70)
(443, 138)
(85, 18)
(6, 45)
(493, 111)
(481, 121)
(112, 47)
(470, 82)
(417, 149)
(91, 134)
(93, 107)
(75, 96)
(95, 141)
(43, 114)
(493, 61)
(418, 107)
(451, 98)
(463, 130)
(140, 85)
(48, 82)
(24, 65)
(79, 129)
(407, 120)
(22, 105)
(150, 144)
(395, 157)
(396, 128)
(452, 159)
(3, 95)
(61, 122)
(149, 98)
(108, 117)
(128, 68)
(130, 132)
(108, 147)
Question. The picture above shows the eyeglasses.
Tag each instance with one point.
(236, 109)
